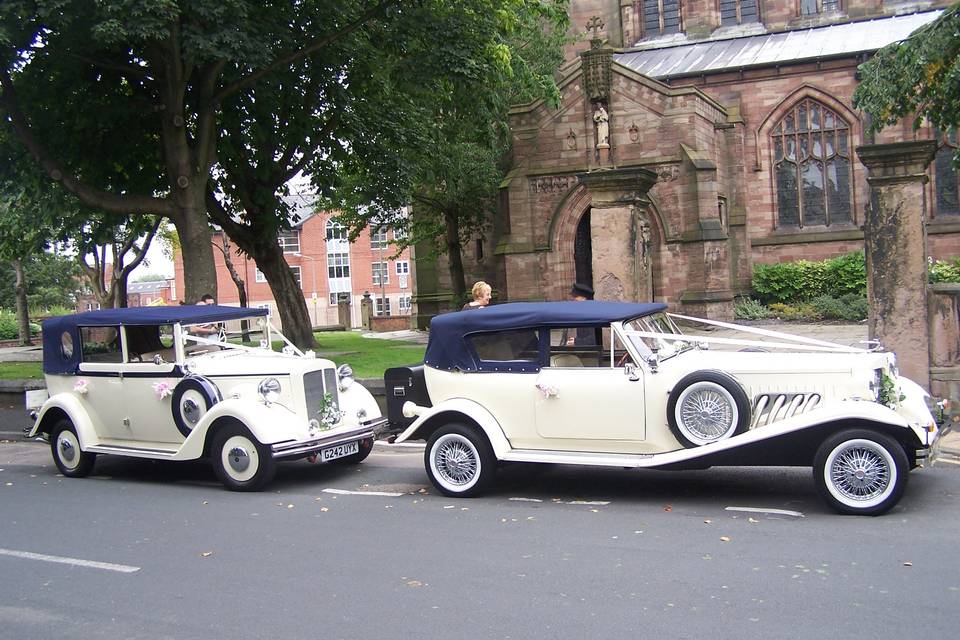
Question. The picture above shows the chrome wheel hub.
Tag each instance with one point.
(706, 413)
(239, 459)
(456, 462)
(860, 473)
(67, 451)
(190, 410)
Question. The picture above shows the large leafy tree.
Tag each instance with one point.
(918, 77)
(451, 176)
(120, 102)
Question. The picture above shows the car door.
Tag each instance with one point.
(148, 379)
(99, 384)
(584, 396)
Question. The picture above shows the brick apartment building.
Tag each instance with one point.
(695, 139)
(326, 266)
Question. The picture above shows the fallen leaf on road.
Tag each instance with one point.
(752, 520)
(324, 509)
(708, 521)
(289, 506)
(908, 564)
(414, 583)
(206, 554)
(668, 508)
(724, 538)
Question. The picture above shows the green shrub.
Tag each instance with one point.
(745, 308)
(800, 311)
(778, 282)
(9, 329)
(943, 270)
(845, 274)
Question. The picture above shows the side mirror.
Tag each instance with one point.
(653, 361)
(631, 372)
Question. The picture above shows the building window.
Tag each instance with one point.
(380, 270)
(813, 7)
(338, 265)
(296, 275)
(335, 297)
(378, 238)
(811, 162)
(403, 267)
(290, 241)
(404, 304)
(947, 178)
(399, 233)
(382, 306)
(336, 231)
(258, 276)
(738, 12)
(661, 17)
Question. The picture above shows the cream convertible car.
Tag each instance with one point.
(619, 385)
(166, 383)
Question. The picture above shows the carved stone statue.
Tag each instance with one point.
(602, 119)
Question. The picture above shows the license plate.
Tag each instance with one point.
(339, 451)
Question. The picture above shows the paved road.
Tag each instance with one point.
(558, 552)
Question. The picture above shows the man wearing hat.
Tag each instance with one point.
(583, 335)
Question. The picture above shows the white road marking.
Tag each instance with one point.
(526, 499)
(600, 503)
(92, 564)
(777, 512)
(344, 492)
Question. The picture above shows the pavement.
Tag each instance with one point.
(847, 334)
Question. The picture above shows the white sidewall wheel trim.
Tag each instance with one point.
(240, 461)
(192, 398)
(861, 472)
(706, 407)
(459, 461)
(70, 459)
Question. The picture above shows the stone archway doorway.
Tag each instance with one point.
(583, 251)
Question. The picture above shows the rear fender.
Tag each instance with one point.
(458, 410)
(69, 406)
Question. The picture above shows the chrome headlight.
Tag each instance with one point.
(345, 376)
(269, 390)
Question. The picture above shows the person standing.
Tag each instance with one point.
(481, 292)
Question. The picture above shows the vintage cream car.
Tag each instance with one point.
(177, 383)
(620, 385)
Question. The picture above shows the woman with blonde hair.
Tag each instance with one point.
(481, 296)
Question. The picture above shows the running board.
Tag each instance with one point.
(140, 452)
(578, 457)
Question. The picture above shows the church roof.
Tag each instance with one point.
(835, 40)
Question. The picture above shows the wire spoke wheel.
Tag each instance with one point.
(861, 472)
(459, 460)
(707, 412)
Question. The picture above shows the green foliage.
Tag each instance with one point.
(9, 329)
(52, 281)
(851, 307)
(803, 280)
(943, 270)
(918, 77)
(746, 308)
(21, 371)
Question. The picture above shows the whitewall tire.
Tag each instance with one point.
(459, 461)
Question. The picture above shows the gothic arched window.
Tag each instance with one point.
(661, 17)
(811, 163)
(947, 178)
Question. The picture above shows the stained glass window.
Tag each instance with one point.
(947, 178)
(811, 166)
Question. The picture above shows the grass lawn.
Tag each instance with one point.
(369, 357)
(20, 370)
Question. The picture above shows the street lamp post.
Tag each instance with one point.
(313, 279)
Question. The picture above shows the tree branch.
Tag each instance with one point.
(125, 204)
(309, 49)
(124, 69)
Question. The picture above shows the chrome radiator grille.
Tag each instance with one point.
(315, 385)
(771, 407)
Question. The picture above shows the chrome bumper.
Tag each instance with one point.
(368, 429)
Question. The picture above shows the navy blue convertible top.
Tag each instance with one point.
(56, 360)
(449, 349)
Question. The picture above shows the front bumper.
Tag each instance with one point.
(368, 429)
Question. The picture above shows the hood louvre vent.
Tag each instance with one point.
(773, 407)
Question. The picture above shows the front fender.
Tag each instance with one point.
(71, 405)
(269, 424)
(451, 411)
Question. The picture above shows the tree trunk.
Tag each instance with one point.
(455, 258)
(289, 297)
(23, 314)
(237, 280)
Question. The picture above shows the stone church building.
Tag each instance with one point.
(695, 139)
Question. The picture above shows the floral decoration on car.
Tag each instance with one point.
(548, 391)
(162, 389)
(80, 386)
(328, 415)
